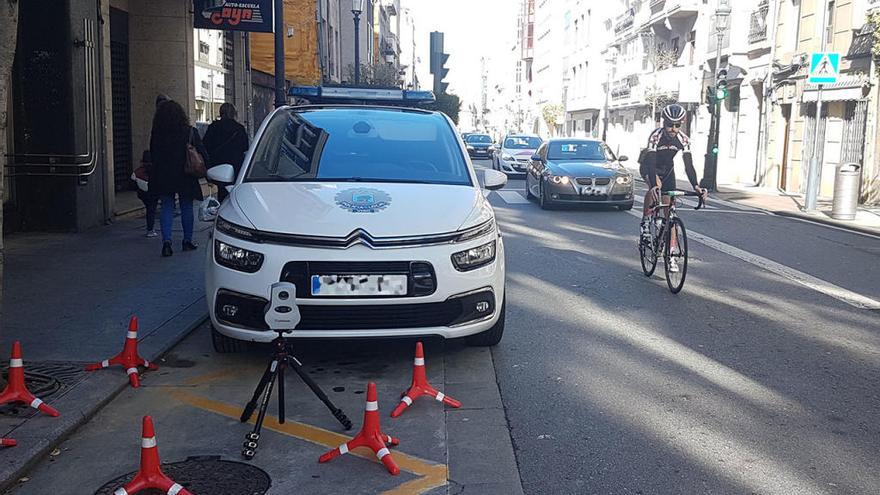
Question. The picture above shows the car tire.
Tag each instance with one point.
(225, 345)
(529, 194)
(492, 336)
(542, 196)
(626, 207)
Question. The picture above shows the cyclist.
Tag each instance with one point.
(657, 167)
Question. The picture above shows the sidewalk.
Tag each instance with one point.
(787, 204)
(68, 299)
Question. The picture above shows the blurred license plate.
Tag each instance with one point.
(359, 285)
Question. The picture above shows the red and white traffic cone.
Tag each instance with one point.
(420, 386)
(128, 358)
(370, 436)
(16, 390)
(150, 474)
(7, 442)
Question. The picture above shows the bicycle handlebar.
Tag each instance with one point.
(701, 203)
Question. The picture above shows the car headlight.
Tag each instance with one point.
(559, 179)
(470, 148)
(237, 258)
(624, 179)
(235, 230)
(474, 258)
(507, 158)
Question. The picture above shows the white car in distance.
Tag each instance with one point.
(375, 213)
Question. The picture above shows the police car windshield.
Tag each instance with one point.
(358, 145)
(578, 150)
(522, 143)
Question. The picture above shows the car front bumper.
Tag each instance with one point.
(513, 166)
(615, 194)
(236, 299)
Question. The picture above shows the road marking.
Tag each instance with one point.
(513, 197)
(432, 475)
(852, 298)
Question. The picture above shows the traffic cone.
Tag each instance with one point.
(370, 436)
(420, 386)
(150, 474)
(7, 442)
(128, 358)
(16, 390)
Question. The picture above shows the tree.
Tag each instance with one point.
(552, 113)
(8, 38)
(448, 103)
(375, 76)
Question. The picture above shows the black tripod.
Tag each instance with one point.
(282, 357)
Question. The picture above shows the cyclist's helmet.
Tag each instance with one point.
(673, 114)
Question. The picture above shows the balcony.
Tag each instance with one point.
(624, 22)
(758, 25)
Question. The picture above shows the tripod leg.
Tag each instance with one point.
(281, 393)
(337, 413)
(252, 438)
(249, 408)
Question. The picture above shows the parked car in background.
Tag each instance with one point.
(479, 145)
(583, 171)
(514, 153)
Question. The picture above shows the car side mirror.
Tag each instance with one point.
(493, 179)
(222, 175)
(622, 158)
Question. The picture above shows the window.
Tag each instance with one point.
(342, 145)
(204, 49)
(577, 150)
(829, 27)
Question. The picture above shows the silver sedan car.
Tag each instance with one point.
(578, 171)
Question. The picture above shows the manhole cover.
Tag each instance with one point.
(205, 476)
(44, 379)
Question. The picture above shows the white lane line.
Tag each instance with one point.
(513, 197)
(852, 298)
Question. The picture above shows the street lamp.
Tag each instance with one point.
(357, 8)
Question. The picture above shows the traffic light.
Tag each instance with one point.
(721, 91)
(438, 63)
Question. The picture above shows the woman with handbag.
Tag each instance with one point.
(178, 163)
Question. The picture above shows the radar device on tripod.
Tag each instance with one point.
(282, 316)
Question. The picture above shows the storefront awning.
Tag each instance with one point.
(840, 91)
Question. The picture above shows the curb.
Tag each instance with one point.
(79, 404)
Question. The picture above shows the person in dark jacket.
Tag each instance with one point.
(226, 141)
(170, 135)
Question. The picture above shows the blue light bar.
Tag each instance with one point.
(362, 94)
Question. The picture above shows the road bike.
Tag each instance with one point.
(668, 239)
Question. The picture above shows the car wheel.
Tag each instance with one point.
(626, 207)
(529, 194)
(493, 335)
(543, 200)
(224, 344)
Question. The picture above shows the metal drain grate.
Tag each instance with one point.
(205, 474)
(44, 379)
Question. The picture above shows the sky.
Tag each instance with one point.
(472, 29)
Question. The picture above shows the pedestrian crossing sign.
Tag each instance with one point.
(824, 67)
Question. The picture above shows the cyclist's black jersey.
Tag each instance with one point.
(662, 148)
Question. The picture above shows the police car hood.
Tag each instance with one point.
(381, 209)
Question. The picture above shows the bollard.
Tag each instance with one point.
(846, 192)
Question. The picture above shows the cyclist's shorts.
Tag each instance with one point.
(667, 179)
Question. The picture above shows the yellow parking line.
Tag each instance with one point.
(432, 475)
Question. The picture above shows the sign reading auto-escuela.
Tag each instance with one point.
(234, 15)
(824, 67)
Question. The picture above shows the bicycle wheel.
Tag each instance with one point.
(675, 252)
(648, 257)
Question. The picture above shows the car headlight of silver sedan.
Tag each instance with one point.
(559, 179)
(623, 180)
(507, 158)
(474, 258)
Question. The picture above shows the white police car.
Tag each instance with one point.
(374, 212)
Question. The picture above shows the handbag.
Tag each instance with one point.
(195, 163)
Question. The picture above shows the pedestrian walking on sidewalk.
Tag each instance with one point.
(171, 134)
(226, 141)
(141, 176)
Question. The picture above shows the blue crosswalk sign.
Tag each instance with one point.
(824, 67)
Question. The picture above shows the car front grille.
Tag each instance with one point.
(247, 311)
(422, 279)
(589, 181)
